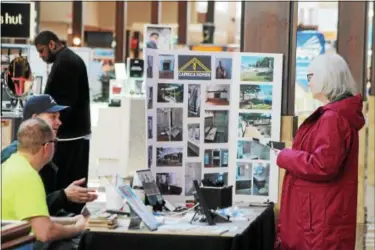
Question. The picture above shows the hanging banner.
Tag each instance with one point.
(210, 116)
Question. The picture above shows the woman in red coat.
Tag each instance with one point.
(319, 195)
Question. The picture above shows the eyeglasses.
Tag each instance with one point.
(50, 141)
(309, 76)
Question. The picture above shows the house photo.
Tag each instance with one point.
(169, 157)
(254, 125)
(166, 66)
(256, 96)
(193, 140)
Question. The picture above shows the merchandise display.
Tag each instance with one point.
(203, 111)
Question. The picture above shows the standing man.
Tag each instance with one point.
(68, 84)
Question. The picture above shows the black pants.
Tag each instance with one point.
(72, 159)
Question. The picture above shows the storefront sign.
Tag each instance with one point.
(15, 20)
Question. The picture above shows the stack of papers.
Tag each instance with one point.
(103, 220)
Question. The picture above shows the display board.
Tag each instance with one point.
(203, 111)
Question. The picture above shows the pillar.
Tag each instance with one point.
(155, 12)
(77, 24)
(120, 26)
(210, 16)
(182, 22)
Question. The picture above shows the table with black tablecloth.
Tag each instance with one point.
(258, 234)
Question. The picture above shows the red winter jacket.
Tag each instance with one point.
(319, 196)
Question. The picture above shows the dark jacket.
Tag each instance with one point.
(56, 200)
(68, 84)
(319, 194)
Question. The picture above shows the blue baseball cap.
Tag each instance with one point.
(41, 104)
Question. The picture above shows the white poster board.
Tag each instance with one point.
(203, 111)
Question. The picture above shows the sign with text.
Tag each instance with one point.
(194, 67)
(15, 20)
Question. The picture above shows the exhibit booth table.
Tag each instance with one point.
(255, 232)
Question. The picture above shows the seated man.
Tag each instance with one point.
(23, 196)
(45, 108)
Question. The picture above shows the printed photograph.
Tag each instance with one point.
(244, 178)
(250, 150)
(166, 66)
(169, 157)
(193, 171)
(194, 103)
(149, 97)
(169, 183)
(158, 37)
(193, 140)
(256, 97)
(169, 124)
(149, 127)
(254, 125)
(216, 178)
(217, 94)
(216, 158)
(216, 125)
(261, 178)
(194, 67)
(150, 61)
(257, 68)
(149, 154)
(170, 93)
(223, 68)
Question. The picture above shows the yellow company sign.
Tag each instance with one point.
(194, 68)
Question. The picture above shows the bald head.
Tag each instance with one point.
(33, 134)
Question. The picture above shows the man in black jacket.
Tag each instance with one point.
(45, 108)
(68, 84)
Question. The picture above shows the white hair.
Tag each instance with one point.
(332, 76)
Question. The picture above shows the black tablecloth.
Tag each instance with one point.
(260, 234)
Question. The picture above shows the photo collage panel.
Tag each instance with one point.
(191, 101)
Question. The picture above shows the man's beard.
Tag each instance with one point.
(51, 57)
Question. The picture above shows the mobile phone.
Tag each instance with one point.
(85, 212)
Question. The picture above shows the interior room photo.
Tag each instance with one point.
(193, 139)
(169, 183)
(166, 67)
(170, 93)
(217, 94)
(169, 124)
(216, 158)
(216, 177)
(244, 178)
(250, 150)
(216, 125)
(261, 176)
(193, 171)
(194, 103)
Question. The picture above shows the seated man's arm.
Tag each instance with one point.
(47, 230)
(30, 204)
